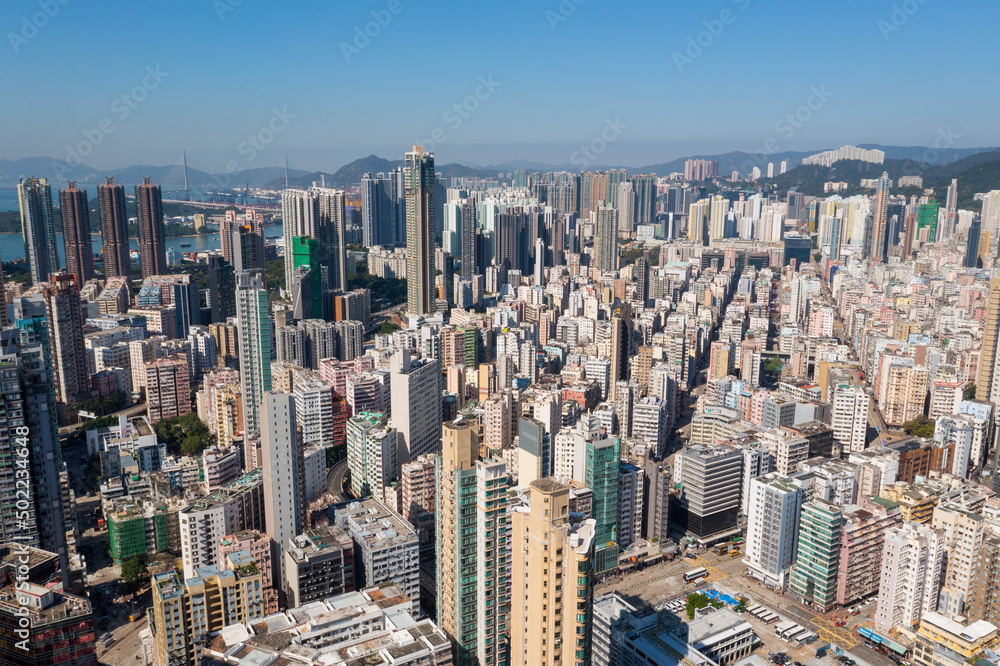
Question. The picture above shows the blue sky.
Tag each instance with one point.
(889, 72)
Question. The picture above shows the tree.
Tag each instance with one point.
(773, 365)
(134, 569)
(388, 328)
(117, 401)
(921, 426)
(697, 601)
(94, 470)
(184, 434)
(970, 392)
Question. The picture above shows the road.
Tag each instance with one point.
(126, 648)
(376, 318)
(335, 479)
(134, 410)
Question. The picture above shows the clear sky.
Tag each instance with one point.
(559, 75)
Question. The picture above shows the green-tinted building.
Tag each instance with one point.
(603, 461)
(473, 343)
(814, 578)
(137, 529)
(927, 218)
(306, 252)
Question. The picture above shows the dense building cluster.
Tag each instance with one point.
(585, 367)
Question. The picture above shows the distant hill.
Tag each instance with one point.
(977, 172)
(899, 159)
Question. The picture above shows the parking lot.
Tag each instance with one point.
(660, 584)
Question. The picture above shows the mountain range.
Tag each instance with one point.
(171, 177)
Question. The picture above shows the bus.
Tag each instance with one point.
(695, 574)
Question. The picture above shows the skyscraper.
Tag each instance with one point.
(552, 576)
(307, 279)
(468, 239)
(76, 232)
(602, 479)
(416, 404)
(253, 317)
(149, 207)
(248, 246)
(330, 234)
(881, 218)
(300, 217)
(420, 230)
(65, 321)
(114, 230)
(378, 210)
(814, 579)
(37, 412)
(606, 239)
(972, 244)
(772, 527)
(281, 461)
(34, 196)
(470, 507)
(511, 245)
(221, 289)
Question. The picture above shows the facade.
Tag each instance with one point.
(65, 320)
(415, 387)
(186, 611)
(168, 388)
(421, 229)
(945, 642)
(862, 542)
(114, 230)
(254, 323)
(39, 625)
(964, 531)
(548, 628)
(318, 565)
(471, 575)
(152, 250)
(602, 478)
(76, 232)
(710, 491)
(34, 197)
(817, 559)
(372, 449)
(772, 527)
(851, 405)
(386, 547)
(282, 457)
(912, 565)
(206, 522)
(259, 546)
